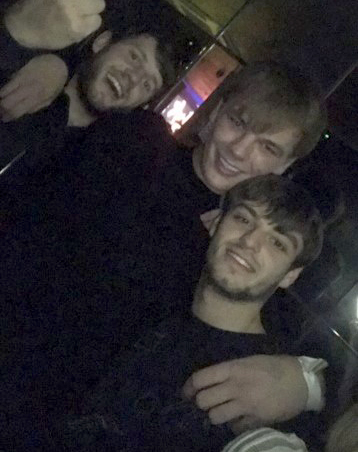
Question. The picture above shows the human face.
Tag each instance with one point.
(249, 257)
(234, 152)
(124, 75)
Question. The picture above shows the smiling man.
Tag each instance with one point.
(269, 117)
(121, 75)
(124, 74)
(118, 74)
(269, 231)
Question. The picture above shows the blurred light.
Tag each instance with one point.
(326, 136)
(177, 113)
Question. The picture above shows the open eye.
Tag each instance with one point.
(134, 56)
(238, 122)
(241, 218)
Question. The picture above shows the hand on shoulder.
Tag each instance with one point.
(249, 392)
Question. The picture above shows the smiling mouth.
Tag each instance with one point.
(115, 85)
(241, 261)
(225, 167)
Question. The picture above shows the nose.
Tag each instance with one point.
(242, 146)
(252, 240)
(135, 76)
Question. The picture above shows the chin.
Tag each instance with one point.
(216, 183)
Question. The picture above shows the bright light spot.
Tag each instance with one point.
(177, 113)
(326, 136)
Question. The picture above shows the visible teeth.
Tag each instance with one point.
(241, 261)
(114, 82)
(228, 165)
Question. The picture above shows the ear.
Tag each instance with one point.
(101, 41)
(290, 277)
(211, 220)
(281, 169)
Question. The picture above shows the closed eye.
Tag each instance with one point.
(272, 149)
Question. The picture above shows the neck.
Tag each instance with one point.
(220, 312)
(78, 115)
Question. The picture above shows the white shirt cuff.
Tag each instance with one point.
(312, 368)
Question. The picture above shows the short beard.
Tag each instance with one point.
(208, 279)
(86, 72)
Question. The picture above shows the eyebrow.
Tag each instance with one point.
(251, 211)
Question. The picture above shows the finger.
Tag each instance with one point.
(17, 111)
(8, 103)
(207, 377)
(225, 412)
(9, 87)
(214, 396)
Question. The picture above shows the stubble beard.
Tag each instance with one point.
(244, 295)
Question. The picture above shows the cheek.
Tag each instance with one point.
(262, 163)
(223, 132)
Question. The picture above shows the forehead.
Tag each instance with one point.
(145, 44)
(261, 214)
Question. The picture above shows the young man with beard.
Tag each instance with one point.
(268, 232)
(119, 74)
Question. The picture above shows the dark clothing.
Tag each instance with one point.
(139, 407)
(41, 136)
(95, 254)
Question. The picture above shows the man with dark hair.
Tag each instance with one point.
(269, 231)
(120, 74)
